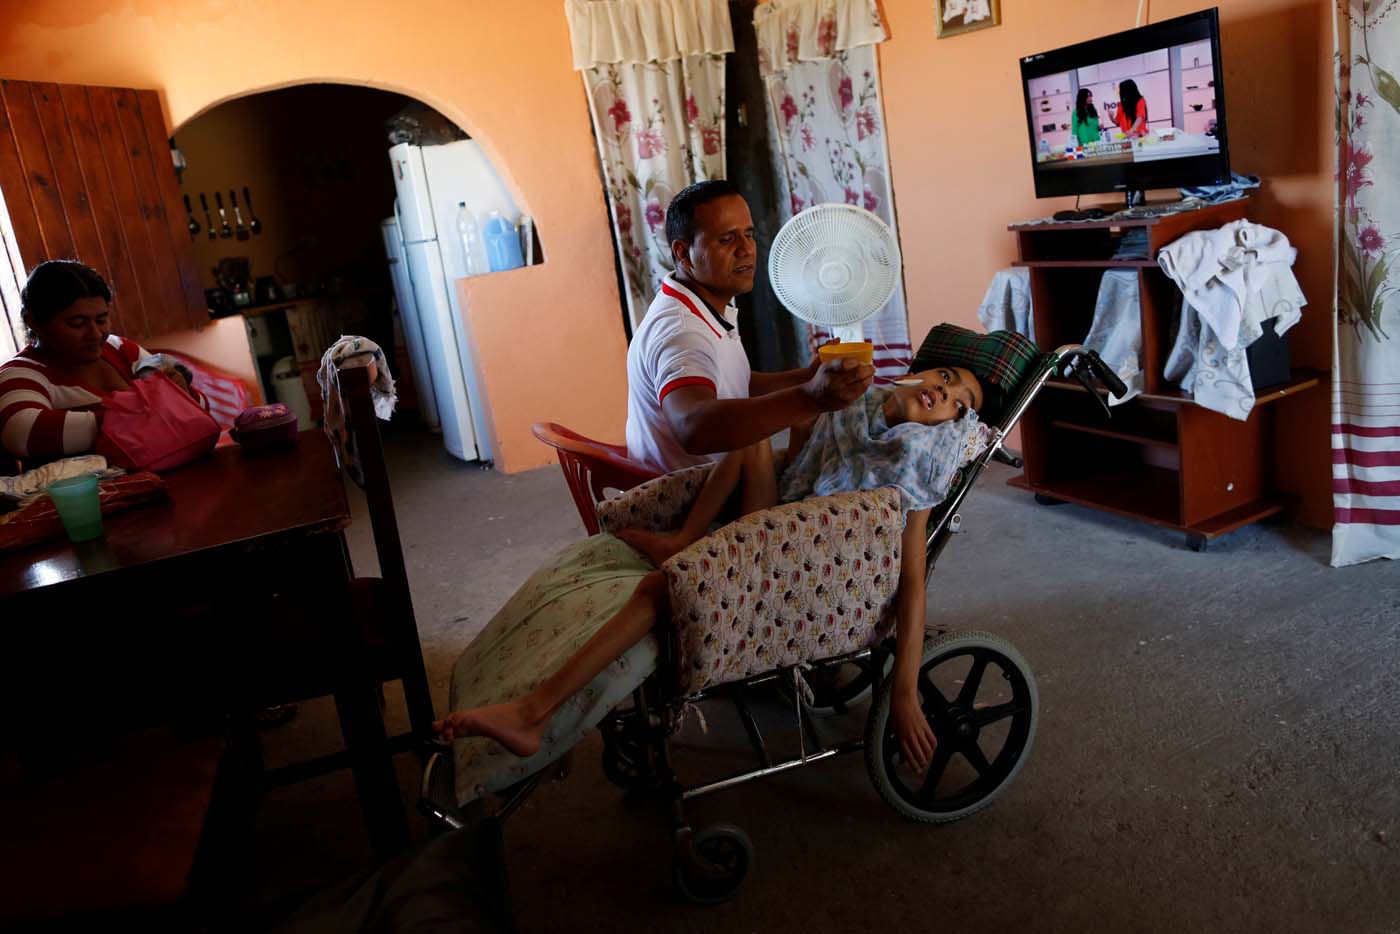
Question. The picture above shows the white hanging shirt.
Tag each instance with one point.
(681, 342)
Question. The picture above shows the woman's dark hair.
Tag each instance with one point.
(1129, 96)
(680, 216)
(54, 285)
(1083, 107)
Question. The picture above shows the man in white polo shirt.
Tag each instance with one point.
(690, 393)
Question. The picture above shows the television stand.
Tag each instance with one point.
(1161, 458)
(1161, 208)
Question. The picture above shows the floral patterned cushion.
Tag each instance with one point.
(786, 585)
(978, 440)
(659, 505)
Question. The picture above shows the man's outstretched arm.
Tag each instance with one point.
(706, 425)
(761, 384)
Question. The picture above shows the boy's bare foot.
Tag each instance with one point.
(508, 724)
(658, 547)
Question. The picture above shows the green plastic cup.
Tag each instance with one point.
(78, 506)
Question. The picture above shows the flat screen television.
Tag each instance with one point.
(1135, 110)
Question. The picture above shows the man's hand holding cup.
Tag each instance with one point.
(837, 383)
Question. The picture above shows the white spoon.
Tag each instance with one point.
(909, 381)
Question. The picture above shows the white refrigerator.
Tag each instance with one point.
(430, 182)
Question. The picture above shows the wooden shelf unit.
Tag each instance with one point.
(1160, 458)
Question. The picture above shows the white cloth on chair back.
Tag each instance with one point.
(352, 351)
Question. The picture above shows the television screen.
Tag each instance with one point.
(1140, 109)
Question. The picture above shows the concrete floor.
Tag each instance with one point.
(1218, 748)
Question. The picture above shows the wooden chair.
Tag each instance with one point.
(591, 467)
(293, 666)
(397, 629)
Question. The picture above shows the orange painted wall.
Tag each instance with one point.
(960, 163)
(550, 337)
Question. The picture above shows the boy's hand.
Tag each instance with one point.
(916, 739)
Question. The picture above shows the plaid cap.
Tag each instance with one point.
(1000, 360)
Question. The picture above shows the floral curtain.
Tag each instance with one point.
(1366, 368)
(823, 83)
(654, 73)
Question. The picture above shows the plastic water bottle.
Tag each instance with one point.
(502, 243)
(473, 255)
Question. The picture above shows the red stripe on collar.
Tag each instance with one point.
(685, 300)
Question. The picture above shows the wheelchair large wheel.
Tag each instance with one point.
(714, 865)
(980, 699)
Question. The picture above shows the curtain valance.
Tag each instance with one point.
(792, 31)
(631, 32)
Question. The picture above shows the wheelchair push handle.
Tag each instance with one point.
(1106, 375)
(1084, 363)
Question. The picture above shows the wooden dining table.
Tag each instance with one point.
(91, 623)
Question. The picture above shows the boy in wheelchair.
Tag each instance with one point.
(910, 437)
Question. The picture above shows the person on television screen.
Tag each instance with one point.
(1132, 110)
(1084, 122)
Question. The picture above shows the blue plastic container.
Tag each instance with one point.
(502, 243)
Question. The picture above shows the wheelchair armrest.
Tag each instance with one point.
(658, 505)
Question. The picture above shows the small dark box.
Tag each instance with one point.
(1268, 358)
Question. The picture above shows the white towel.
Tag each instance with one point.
(1116, 334)
(26, 486)
(348, 352)
(1219, 377)
(1007, 304)
(1232, 280)
(1219, 270)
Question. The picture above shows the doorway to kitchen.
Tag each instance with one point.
(327, 209)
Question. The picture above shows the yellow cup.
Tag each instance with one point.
(864, 351)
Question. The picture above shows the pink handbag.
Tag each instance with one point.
(154, 425)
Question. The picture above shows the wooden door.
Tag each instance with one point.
(86, 174)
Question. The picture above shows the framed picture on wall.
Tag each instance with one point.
(956, 17)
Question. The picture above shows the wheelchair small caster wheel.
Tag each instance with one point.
(713, 863)
(979, 697)
(625, 759)
(1197, 543)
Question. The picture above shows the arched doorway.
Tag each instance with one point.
(321, 209)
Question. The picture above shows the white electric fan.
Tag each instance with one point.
(834, 265)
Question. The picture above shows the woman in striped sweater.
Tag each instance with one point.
(51, 392)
